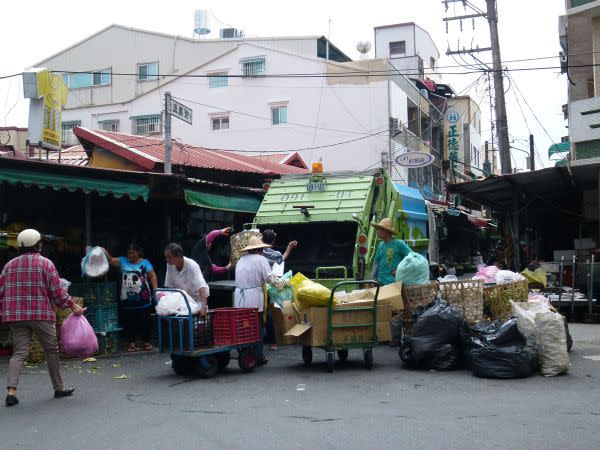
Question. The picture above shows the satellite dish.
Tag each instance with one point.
(363, 48)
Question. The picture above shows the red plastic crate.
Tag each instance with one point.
(233, 326)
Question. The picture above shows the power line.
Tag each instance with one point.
(256, 152)
(266, 118)
(533, 113)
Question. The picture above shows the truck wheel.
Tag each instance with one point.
(206, 366)
(330, 362)
(247, 360)
(343, 355)
(369, 358)
(307, 355)
(181, 365)
(223, 359)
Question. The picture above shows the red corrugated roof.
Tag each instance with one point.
(72, 156)
(283, 158)
(9, 152)
(147, 152)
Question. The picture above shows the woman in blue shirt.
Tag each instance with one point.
(138, 280)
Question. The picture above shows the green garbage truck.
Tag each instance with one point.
(329, 214)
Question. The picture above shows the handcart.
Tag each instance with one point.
(342, 348)
(202, 346)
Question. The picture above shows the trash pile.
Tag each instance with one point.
(536, 337)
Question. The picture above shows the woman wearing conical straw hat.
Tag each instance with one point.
(252, 271)
(389, 253)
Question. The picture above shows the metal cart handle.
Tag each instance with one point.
(344, 268)
(183, 294)
(355, 283)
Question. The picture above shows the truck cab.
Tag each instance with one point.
(329, 214)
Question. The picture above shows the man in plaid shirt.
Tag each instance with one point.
(29, 289)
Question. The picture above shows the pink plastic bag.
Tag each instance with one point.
(77, 337)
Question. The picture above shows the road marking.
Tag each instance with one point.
(593, 357)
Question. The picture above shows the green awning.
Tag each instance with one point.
(72, 183)
(563, 147)
(225, 202)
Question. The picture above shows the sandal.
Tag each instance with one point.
(148, 347)
(131, 348)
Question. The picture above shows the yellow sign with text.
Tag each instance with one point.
(54, 91)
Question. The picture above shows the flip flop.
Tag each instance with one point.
(131, 349)
(148, 347)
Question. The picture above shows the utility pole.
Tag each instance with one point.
(487, 167)
(491, 14)
(501, 120)
(531, 153)
(168, 143)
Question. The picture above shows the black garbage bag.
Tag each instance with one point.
(406, 353)
(436, 339)
(509, 361)
(569, 338)
(497, 350)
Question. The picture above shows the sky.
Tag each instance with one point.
(36, 29)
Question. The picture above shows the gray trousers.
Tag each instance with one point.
(21, 336)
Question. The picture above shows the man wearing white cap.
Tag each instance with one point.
(29, 287)
(252, 271)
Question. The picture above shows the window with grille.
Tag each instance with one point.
(109, 125)
(217, 80)
(146, 124)
(253, 67)
(68, 137)
(398, 49)
(220, 123)
(279, 115)
(147, 72)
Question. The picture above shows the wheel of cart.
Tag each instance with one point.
(342, 349)
(202, 346)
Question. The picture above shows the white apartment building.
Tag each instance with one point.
(409, 48)
(347, 119)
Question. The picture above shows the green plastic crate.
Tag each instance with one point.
(103, 318)
(95, 294)
(108, 342)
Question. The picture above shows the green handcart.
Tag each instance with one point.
(342, 348)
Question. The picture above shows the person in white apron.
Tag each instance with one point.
(252, 271)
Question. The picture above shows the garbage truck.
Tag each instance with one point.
(329, 214)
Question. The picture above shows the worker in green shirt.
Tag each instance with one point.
(389, 253)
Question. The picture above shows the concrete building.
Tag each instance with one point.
(15, 137)
(579, 33)
(409, 48)
(153, 59)
(350, 119)
(462, 137)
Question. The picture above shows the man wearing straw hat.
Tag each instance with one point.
(252, 271)
(389, 253)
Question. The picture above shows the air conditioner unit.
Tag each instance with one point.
(230, 33)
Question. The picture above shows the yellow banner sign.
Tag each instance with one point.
(55, 92)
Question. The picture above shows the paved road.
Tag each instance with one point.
(285, 405)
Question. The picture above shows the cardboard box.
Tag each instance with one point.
(284, 320)
(390, 294)
(312, 329)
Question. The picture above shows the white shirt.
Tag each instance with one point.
(190, 278)
(251, 273)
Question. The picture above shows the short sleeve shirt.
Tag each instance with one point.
(190, 278)
(135, 289)
(388, 256)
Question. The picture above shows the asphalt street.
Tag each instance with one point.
(135, 401)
